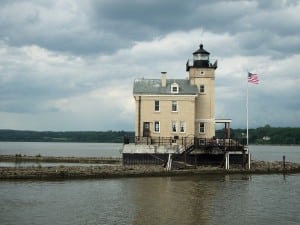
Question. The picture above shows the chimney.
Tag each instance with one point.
(163, 79)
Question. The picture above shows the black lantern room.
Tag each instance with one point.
(200, 60)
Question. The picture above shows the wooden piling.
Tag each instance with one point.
(249, 160)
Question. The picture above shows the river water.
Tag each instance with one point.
(202, 199)
(61, 149)
(259, 152)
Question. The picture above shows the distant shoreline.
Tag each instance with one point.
(121, 143)
(274, 135)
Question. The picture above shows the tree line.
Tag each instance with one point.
(64, 136)
(260, 135)
(268, 135)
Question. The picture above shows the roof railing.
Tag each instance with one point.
(213, 63)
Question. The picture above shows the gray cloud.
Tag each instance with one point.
(62, 61)
(104, 27)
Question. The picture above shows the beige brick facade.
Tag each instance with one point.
(183, 118)
(204, 79)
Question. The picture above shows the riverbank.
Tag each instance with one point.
(117, 170)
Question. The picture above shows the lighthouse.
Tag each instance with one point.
(202, 75)
(175, 120)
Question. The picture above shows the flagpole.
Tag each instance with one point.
(252, 78)
(247, 110)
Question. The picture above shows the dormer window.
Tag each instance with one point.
(174, 88)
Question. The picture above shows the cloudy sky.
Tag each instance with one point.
(70, 64)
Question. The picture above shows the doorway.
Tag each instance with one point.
(146, 129)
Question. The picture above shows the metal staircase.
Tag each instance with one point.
(188, 149)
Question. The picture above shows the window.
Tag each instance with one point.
(174, 127)
(182, 126)
(156, 106)
(174, 88)
(201, 127)
(201, 141)
(156, 126)
(174, 106)
(202, 88)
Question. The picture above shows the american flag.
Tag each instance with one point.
(253, 78)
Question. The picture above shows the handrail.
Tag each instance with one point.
(186, 142)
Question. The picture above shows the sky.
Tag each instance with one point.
(69, 65)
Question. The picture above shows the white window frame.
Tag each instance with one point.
(176, 87)
(156, 105)
(182, 125)
(174, 103)
(201, 127)
(157, 123)
(174, 126)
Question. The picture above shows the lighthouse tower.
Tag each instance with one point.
(202, 74)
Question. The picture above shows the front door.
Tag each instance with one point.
(146, 129)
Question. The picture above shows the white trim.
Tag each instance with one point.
(204, 127)
(158, 126)
(205, 120)
(174, 105)
(223, 120)
(147, 95)
(184, 127)
(158, 106)
(173, 85)
(173, 122)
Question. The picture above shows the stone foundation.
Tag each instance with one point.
(117, 170)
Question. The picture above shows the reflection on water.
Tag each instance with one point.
(162, 202)
(204, 199)
(178, 200)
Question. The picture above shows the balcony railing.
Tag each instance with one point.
(187, 142)
(212, 63)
